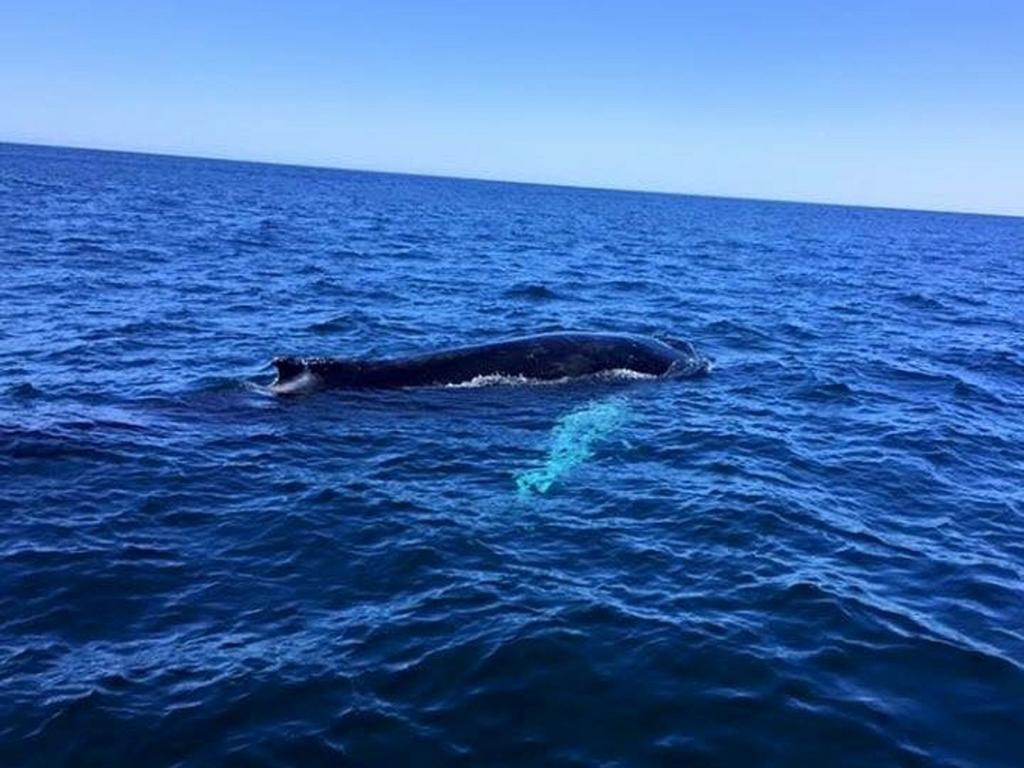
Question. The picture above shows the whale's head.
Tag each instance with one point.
(297, 375)
(294, 376)
(689, 362)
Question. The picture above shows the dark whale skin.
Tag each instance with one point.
(546, 357)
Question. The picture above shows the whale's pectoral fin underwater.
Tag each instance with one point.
(548, 357)
(572, 442)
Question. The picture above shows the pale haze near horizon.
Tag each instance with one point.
(903, 104)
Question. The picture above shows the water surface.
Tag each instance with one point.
(812, 556)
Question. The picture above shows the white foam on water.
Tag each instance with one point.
(266, 390)
(498, 380)
(307, 381)
(503, 380)
(626, 374)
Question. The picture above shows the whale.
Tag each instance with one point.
(550, 357)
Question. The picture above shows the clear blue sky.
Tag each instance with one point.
(908, 104)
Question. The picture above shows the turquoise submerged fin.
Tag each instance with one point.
(573, 440)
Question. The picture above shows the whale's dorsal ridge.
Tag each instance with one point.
(543, 357)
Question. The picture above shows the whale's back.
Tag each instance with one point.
(546, 357)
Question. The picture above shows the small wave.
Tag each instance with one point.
(631, 286)
(259, 389)
(920, 300)
(149, 329)
(731, 331)
(216, 384)
(824, 391)
(799, 331)
(970, 392)
(330, 326)
(532, 292)
(916, 373)
(24, 391)
(992, 361)
(81, 246)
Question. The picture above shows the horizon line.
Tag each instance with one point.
(523, 182)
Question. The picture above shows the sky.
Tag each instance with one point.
(890, 103)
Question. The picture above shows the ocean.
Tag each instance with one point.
(811, 556)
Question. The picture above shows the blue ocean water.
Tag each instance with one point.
(813, 556)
